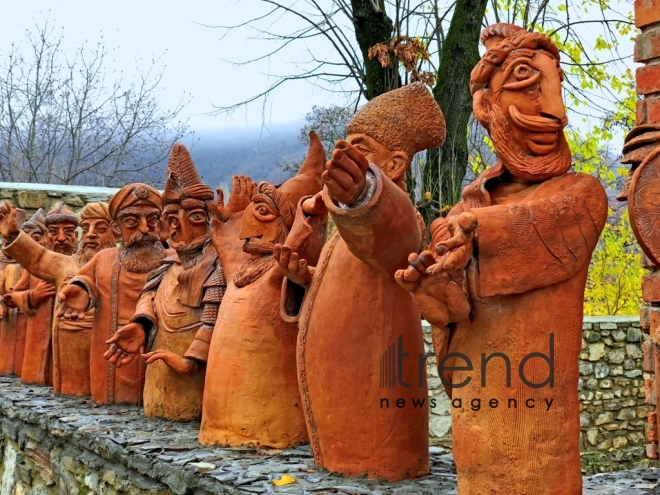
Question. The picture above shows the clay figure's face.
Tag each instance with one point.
(37, 235)
(187, 224)
(260, 225)
(393, 163)
(62, 238)
(528, 92)
(138, 224)
(96, 234)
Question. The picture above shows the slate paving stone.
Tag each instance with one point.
(163, 451)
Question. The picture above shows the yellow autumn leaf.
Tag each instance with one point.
(286, 479)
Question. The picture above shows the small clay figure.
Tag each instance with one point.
(505, 286)
(111, 282)
(71, 338)
(353, 310)
(252, 395)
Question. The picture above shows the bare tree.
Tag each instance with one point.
(441, 39)
(68, 121)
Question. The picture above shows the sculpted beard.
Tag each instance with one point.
(253, 268)
(86, 253)
(141, 253)
(65, 247)
(527, 167)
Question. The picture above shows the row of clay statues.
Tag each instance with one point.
(274, 336)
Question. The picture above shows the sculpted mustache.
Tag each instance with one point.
(256, 246)
(141, 238)
(536, 123)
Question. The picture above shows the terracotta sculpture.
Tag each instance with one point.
(353, 309)
(111, 283)
(71, 338)
(179, 304)
(516, 249)
(251, 395)
(13, 323)
(35, 296)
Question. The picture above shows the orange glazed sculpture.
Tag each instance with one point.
(179, 304)
(353, 309)
(111, 282)
(34, 296)
(251, 395)
(516, 249)
(71, 338)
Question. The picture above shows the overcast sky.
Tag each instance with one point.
(193, 54)
(196, 69)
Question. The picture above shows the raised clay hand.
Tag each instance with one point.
(345, 174)
(178, 363)
(75, 301)
(41, 293)
(8, 221)
(242, 191)
(291, 266)
(125, 344)
(314, 205)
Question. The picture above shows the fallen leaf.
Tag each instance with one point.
(286, 479)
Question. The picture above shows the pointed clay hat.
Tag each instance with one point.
(61, 214)
(36, 221)
(183, 181)
(307, 181)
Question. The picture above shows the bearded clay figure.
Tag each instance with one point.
(71, 338)
(111, 282)
(517, 249)
(251, 395)
(35, 297)
(353, 309)
(13, 322)
(179, 304)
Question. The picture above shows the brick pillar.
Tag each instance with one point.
(647, 52)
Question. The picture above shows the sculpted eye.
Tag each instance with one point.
(262, 210)
(521, 77)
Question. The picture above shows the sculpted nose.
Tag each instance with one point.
(144, 226)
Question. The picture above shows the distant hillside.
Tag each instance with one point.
(220, 154)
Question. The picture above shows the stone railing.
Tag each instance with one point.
(31, 197)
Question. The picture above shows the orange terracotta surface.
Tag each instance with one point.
(38, 360)
(354, 311)
(251, 395)
(13, 326)
(521, 262)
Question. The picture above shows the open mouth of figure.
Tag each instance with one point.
(91, 244)
(541, 132)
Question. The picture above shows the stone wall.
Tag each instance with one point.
(31, 197)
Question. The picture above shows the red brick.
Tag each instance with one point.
(654, 321)
(648, 79)
(649, 391)
(651, 290)
(652, 451)
(647, 44)
(648, 350)
(646, 12)
(652, 427)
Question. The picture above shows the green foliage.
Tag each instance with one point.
(615, 275)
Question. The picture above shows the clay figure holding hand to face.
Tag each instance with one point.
(352, 309)
(252, 395)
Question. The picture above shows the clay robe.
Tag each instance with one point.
(38, 360)
(13, 326)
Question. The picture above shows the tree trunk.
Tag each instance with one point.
(373, 26)
(445, 168)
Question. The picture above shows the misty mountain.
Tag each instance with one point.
(221, 153)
